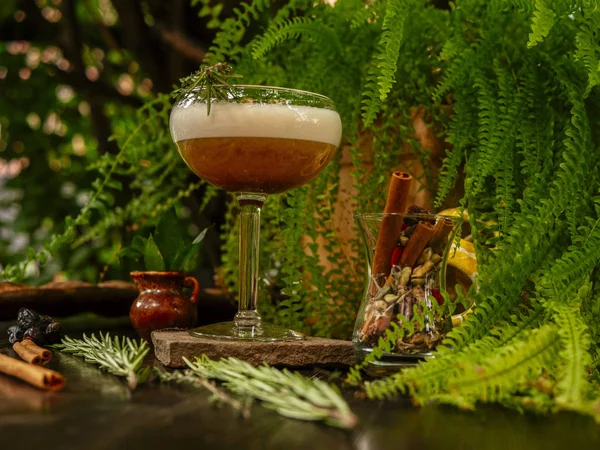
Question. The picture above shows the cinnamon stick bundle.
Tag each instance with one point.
(35, 375)
(417, 243)
(30, 352)
(391, 225)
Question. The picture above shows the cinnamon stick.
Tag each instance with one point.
(32, 353)
(35, 375)
(27, 355)
(391, 225)
(416, 244)
(442, 230)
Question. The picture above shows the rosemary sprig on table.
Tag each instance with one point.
(206, 84)
(288, 393)
(219, 396)
(122, 357)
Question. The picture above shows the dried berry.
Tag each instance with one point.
(53, 327)
(15, 334)
(35, 334)
(414, 209)
(27, 318)
(45, 321)
(53, 333)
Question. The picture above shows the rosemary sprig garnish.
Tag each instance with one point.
(206, 84)
(219, 396)
(122, 357)
(288, 393)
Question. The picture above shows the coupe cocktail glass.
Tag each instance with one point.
(260, 140)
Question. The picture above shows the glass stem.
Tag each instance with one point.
(250, 205)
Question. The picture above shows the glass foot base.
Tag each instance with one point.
(263, 333)
(391, 363)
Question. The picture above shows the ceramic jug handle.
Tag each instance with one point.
(191, 282)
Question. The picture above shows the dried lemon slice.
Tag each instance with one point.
(462, 265)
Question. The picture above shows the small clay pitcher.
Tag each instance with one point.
(161, 303)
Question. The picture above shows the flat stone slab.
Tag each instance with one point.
(171, 346)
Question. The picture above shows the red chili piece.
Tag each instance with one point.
(396, 254)
(438, 296)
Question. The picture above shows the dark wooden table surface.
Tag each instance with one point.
(97, 412)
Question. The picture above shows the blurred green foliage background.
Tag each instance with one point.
(72, 73)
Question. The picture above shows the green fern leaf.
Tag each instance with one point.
(509, 115)
(542, 23)
(575, 265)
(226, 45)
(434, 377)
(507, 369)
(588, 49)
(297, 27)
(381, 73)
(571, 186)
(572, 375)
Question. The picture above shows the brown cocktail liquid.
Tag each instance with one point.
(255, 164)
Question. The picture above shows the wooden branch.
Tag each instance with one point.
(141, 42)
(176, 20)
(73, 41)
(179, 42)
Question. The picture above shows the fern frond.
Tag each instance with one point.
(226, 45)
(590, 311)
(362, 14)
(501, 284)
(371, 103)
(462, 132)
(381, 74)
(295, 28)
(455, 74)
(542, 22)
(534, 139)
(290, 309)
(569, 188)
(491, 135)
(572, 374)
(509, 115)
(469, 378)
(575, 265)
(503, 372)
(571, 184)
(433, 377)
(390, 41)
(454, 158)
(588, 49)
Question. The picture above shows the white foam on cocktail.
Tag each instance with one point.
(256, 120)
